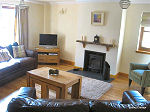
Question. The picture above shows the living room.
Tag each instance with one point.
(72, 22)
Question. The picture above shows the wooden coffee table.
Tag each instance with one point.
(59, 83)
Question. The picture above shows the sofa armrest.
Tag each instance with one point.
(23, 93)
(33, 54)
(134, 66)
(27, 92)
(145, 79)
(132, 97)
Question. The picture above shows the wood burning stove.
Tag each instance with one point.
(95, 62)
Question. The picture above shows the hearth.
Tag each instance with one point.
(95, 62)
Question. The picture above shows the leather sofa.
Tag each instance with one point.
(132, 101)
(16, 67)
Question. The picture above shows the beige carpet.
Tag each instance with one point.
(93, 88)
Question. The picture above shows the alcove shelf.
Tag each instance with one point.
(108, 46)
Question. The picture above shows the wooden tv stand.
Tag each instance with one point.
(46, 55)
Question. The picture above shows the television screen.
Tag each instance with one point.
(48, 39)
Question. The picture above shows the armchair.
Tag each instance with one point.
(140, 74)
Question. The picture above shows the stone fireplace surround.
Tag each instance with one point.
(111, 56)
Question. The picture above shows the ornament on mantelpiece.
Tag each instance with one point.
(114, 42)
(83, 38)
(96, 39)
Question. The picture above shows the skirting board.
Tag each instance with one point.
(119, 74)
(67, 62)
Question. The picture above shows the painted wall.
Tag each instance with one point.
(76, 21)
(121, 39)
(36, 23)
(46, 18)
(64, 23)
(129, 55)
(110, 31)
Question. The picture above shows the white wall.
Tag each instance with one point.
(121, 39)
(110, 31)
(36, 23)
(65, 25)
(46, 18)
(129, 55)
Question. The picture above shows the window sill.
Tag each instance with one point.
(143, 52)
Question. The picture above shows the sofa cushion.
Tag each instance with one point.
(19, 51)
(4, 55)
(138, 73)
(27, 92)
(25, 61)
(28, 104)
(10, 49)
(8, 67)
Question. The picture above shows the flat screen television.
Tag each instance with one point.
(48, 40)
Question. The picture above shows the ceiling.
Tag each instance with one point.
(132, 1)
(67, 1)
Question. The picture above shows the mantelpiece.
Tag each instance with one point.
(108, 46)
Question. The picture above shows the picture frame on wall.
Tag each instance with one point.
(97, 18)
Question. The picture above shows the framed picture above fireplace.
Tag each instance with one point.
(97, 18)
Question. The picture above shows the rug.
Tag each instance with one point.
(93, 88)
(90, 74)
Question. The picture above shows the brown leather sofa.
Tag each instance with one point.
(132, 101)
(16, 67)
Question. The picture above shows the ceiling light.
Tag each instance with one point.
(124, 4)
(22, 4)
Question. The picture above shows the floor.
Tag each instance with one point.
(120, 84)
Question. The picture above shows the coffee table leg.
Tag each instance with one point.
(76, 90)
(44, 91)
(58, 95)
(64, 92)
(31, 83)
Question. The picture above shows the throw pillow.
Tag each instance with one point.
(10, 49)
(15, 44)
(5, 55)
(149, 65)
(19, 51)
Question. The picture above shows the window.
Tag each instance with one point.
(7, 22)
(144, 41)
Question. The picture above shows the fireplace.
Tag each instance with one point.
(95, 62)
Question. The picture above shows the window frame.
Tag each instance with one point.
(140, 48)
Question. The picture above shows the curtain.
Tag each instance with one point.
(21, 25)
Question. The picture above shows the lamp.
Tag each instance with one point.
(22, 4)
(124, 4)
(63, 11)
